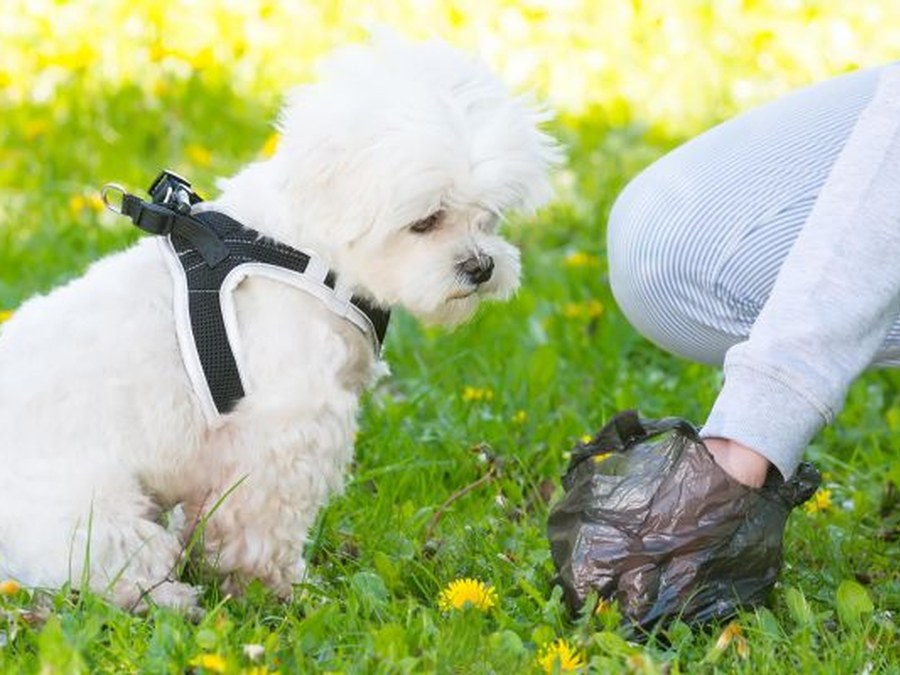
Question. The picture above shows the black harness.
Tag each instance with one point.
(209, 252)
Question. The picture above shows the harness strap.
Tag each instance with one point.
(161, 219)
(209, 253)
(204, 283)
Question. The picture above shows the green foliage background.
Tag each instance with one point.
(93, 91)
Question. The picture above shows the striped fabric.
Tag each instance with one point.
(696, 240)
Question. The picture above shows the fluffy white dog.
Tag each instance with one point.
(395, 168)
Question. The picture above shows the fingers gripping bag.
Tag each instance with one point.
(650, 520)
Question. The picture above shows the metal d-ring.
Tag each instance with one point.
(104, 195)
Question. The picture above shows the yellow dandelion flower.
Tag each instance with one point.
(587, 310)
(593, 309)
(572, 310)
(520, 417)
(202, 59)
(461, 593)
(603, 605)
(91, 202)
(732, 630)
(5, 314)
(75, 59)
(211, 662)
(581, 259)
(476, 394)
(271, 144)
(158, 52)
(560, 657)
(198, 154)
(77, 204)
(35, 128)
(820, 501)
(587, 438)
(160, 88)
(95, 203)
(733, 633)
(9, 587)
(603, 455)
(455, 16)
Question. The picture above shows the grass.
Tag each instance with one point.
(495, 404)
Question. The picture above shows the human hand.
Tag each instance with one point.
(743, 464)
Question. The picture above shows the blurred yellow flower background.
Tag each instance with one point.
(673, 64)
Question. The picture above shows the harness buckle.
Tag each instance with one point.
(173, 190)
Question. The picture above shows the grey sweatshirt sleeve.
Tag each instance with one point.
(833, 303)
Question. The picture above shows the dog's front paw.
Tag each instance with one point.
(278, 581)
(176, 595)
(233, 584)
(171, 594)
(296, 574)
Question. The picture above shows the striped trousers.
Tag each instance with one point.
(696, 240)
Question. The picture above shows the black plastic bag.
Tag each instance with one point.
(650, 520)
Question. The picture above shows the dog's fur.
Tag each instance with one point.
(100, 430)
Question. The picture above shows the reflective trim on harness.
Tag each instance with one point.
(208, 255)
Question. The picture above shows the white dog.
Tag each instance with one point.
(394, 168)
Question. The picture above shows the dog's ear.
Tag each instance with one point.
(392, 121)
(315, 158)
(324, 179)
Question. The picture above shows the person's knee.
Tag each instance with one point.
(634, 229)
(656, 271)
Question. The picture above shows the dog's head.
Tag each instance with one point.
(403, 159)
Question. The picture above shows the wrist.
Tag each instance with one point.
(743, 464)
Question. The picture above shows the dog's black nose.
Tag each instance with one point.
(477, 269)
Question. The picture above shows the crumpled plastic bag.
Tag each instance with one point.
(650, 520)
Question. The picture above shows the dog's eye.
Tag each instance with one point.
(427, 224)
